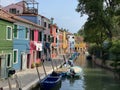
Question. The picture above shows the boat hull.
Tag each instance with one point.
(50, 81)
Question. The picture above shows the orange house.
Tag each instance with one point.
(53, 32)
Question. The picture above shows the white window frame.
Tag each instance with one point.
(10, 59)
(7, 33)
(16, 56)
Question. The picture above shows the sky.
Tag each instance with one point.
(63, 12)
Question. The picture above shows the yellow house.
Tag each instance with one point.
(80, 45)
(65, 42)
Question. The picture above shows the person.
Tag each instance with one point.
(72, 72)
(70, 63)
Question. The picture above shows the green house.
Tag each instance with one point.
(6, 44)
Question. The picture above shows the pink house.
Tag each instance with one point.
(16, 8)
(36, 46)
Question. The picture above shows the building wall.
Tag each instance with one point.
(18, 7)
(21, 44)
(54, 44)
(6, 47)
(31, 18)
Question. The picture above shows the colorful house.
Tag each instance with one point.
(65, 43)
(47, 37)
(71, 42)
(36, 34)
(53, 31)
(80, 45)
(61, 42)
(6, 43)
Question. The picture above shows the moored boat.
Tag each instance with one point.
(75, 71)
(50, 81)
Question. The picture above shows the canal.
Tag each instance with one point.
(94, 78)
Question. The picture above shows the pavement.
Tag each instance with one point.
(29, 78)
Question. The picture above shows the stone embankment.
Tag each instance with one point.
(29, 78)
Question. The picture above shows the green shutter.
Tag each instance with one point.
(15, 31)
(26, 34)
(9, 32)
(15, 56)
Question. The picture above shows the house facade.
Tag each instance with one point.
(45, 22)
(53, 31)
(21, 45)
(6, 43)
(71, 42)
(61, 51)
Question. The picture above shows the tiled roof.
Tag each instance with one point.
(4, 15)
(10, 17)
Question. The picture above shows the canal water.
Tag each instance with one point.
(93, 78)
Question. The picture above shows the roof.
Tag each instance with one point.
(10, 17)
(4, 15)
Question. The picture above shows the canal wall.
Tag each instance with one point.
(29, 78)
(106, 66)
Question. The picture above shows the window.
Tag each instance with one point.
(48, 25)
(40, 36)
(31, 35)
(52, 39)
(44, 37)
(15, 56)
(56, 30)
(56, 40)
(48, 38)
(8, 60)
(39, 22)
(13, 10)
(27, 34)
(38, 54)
(45, 24)
(9, 33)
(15, 31)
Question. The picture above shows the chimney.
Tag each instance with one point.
(52, 20)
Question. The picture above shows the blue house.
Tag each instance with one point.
(21, 46)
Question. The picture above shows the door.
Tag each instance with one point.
(23, 61)
(3, 73)
(28, 60)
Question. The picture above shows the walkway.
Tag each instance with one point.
(29, 77)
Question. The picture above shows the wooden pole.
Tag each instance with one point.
(64, 58)
(10, 88)
(18, 84)
(38, 72)
(56, 64)
(52, 64)
(44, 68)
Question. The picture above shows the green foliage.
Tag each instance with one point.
(100, 25)
(94, 50)
(115, 49)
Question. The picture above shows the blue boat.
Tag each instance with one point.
(50, 81)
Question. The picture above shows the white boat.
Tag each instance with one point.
(75, 71)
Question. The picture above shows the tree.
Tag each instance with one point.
(99, 25)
